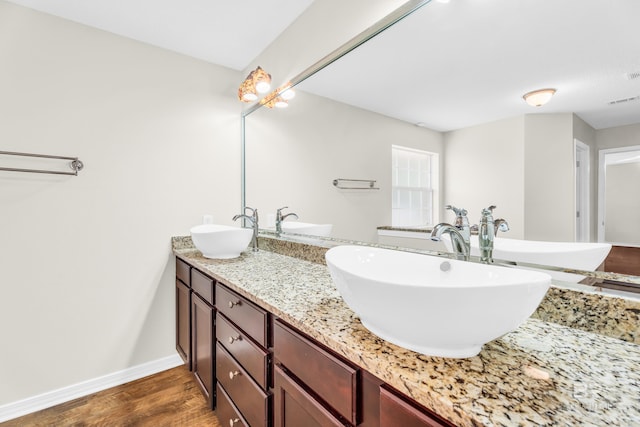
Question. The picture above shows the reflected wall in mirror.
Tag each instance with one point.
(458, 71)
(619, 216)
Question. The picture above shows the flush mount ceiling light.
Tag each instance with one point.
(258, 81)
(538, 97)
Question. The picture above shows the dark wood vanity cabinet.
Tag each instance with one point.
(333, 382)
(203, 334)
(183, 311)
(397, 411)
(243, 359)
(259, 371)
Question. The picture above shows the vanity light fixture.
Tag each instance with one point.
(280, 97)
(538, 97)
(275, 101)
(258, 81)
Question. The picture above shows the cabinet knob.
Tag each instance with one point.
(233, 422)
(233, 304)
(233, 374)
(234, 339)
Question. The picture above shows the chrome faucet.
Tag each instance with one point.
(462, 223)
(460, 246)
(280, 218)
(253, 219)
(487, 231)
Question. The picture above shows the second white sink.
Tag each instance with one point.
(220, 241)
(432, 305)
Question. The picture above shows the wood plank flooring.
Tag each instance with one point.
(169, 398)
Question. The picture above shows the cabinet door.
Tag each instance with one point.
(395, 411)
(202, 347)
(294, 407)
(183, 322)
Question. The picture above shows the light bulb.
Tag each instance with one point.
(288, 94)
(263, 87)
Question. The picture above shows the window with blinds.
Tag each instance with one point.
(414, 187)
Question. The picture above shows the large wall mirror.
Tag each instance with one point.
(448, 80)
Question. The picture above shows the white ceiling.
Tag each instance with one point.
(466, 62)
(230, 33)
(448, 66)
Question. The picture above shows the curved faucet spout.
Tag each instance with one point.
(461, 247)
(253, 219)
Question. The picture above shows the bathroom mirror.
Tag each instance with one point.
(492, 148)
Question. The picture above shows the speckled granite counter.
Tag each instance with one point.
(542, 374)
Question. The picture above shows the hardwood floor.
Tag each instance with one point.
(169, 398)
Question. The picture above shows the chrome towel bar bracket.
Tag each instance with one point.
(75, 164)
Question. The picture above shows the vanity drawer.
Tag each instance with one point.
(182, 271)
(330, 378)
(226, 411)
(252, 357)
(246, 315)
(202, 285)
(248, 397)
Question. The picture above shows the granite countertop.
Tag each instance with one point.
(541, 374)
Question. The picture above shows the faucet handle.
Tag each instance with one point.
(459, 212)
(488, 212)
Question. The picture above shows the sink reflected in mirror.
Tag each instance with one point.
(220, 241)
(571, 255)
(432, 305)
(298, 227)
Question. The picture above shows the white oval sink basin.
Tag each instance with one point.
(321, 230)
(220, 241)
(432, 305)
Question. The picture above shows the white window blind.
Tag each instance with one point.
(414, 187)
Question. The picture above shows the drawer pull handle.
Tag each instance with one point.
(233, 374)
(233, 304)
(233, 422)
(234, 339)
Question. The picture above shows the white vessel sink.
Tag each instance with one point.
(220, 241)
(572, 255)
(321, 230)
(432, 305)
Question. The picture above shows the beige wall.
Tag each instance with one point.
(621, 136)
(622, 224)
(294, 155)
(87, 276)
(484, 166)
(549, 177)
(621, 210)
(587, 135)
(524, 166)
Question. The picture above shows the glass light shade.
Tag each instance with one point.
(261, 80)
(249, 96)
(281, 103)
(263, 87)
(288, 94)
(540, 97)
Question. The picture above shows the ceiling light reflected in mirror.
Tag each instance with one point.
(538, 98)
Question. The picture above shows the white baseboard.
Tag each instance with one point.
(74, 391)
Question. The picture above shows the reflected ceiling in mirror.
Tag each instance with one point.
(458, 64)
